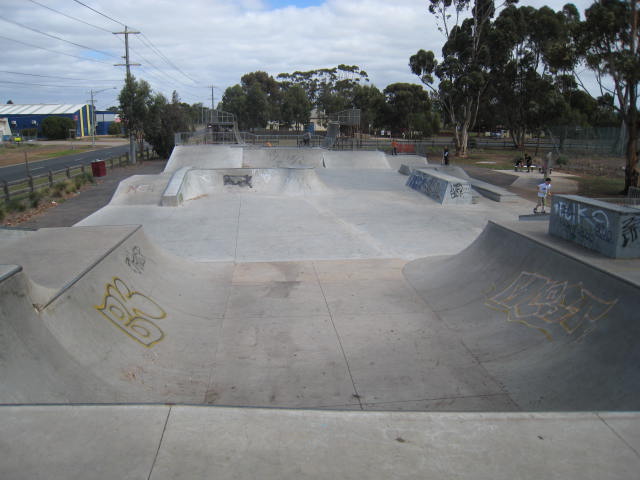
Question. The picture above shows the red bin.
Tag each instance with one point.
(98, 168)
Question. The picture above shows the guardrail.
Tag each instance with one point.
(21, 188)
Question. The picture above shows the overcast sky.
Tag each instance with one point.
(57, 51)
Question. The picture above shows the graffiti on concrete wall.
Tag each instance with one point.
(630, 227)
(237, 180)
(140, 188)
(583, 223)
(135, 259)
(426, 184)
(551, 306)
(459, 190)
(132, 312)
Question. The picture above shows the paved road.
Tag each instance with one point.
(16, 172)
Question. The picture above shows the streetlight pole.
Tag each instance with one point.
(93, 114)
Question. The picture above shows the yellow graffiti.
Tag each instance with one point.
(541, 303)
(132, 313)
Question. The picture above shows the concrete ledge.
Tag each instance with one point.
(443, 188)
(493, 192)
(610, 229)
(172, 195)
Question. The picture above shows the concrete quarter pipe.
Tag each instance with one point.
(557, 333)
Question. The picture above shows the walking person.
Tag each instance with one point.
(445, 156)
(544, 191)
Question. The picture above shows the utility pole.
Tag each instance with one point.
(212, 104)
(93, 115)
(126, 33)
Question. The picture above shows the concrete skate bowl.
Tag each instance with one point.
(556, 333)
(270, 181)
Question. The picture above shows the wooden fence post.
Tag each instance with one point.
(68, 172)
(5, 187)
(50, 178)
(30, 180)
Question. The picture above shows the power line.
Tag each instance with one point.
(99, 13)
(55, 37)
(69, 16)
(169, 62)
(53, 76)
(53, 51)
(45, 85)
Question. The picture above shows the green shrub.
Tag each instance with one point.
(57, 128)
(59, 188)
(70, 187)
(35, 198)
(562, 160)
(15, 205)
(79, 180)
(115, 128)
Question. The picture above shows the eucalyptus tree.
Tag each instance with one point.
(134, 100)
(234, 100)
(329, 89)
(371, 102)
(463, 72)
(522, 91)
(296, 107)
(608, 41)
(408, 109)
(164, 119)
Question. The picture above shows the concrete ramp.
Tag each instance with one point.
(358, 160)
(137, 318)
(555, 332)
(282, 157)
(281, 181)
(140, 190)
(204, 156)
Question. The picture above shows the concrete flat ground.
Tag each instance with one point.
(337, 289)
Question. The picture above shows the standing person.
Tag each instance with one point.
(394, 147)
(544, 191)
(445, 156)
(528, 161)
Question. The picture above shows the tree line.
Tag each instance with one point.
(290, 99)
(517, 68)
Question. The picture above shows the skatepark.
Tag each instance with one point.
(354, 315)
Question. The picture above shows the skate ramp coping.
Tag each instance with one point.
(444, 189)
(556, 332)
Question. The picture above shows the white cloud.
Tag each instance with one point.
(214, 42)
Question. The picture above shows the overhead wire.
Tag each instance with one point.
(52, 76)
(69, 16)
(173, 82)
(99, 13)
(56, 37)
(52, 51)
